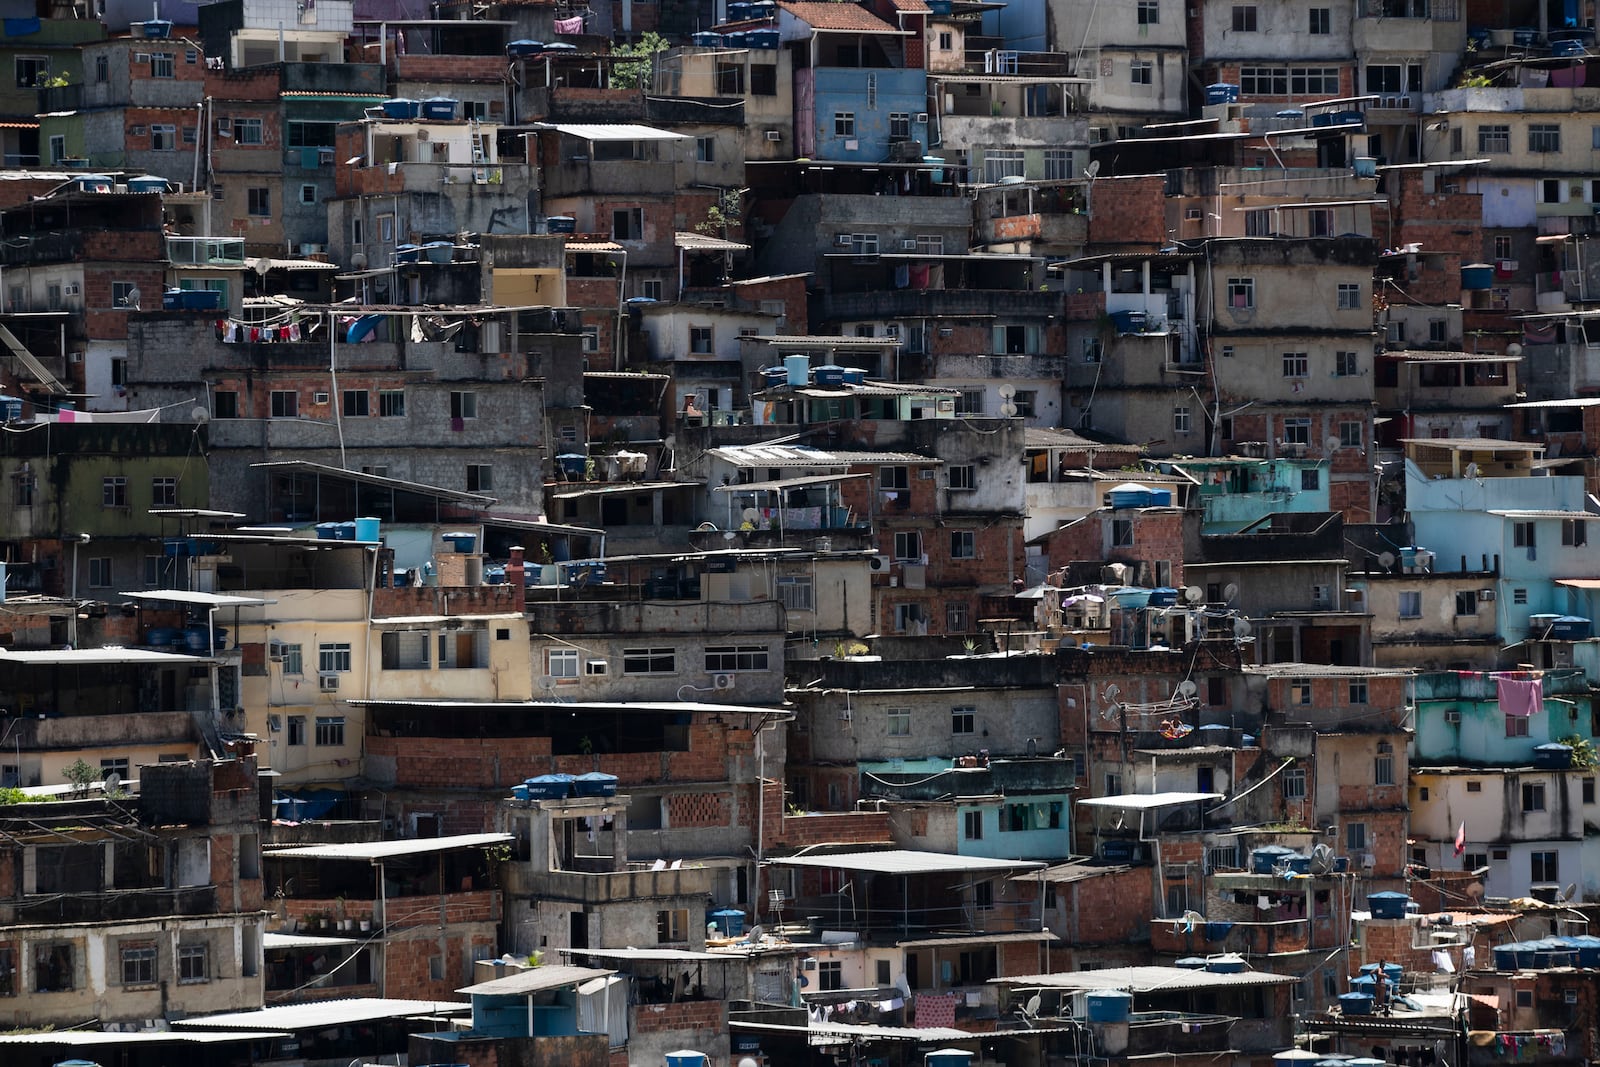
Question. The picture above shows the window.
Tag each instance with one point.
(830, 975)
(1258, 223)
(163, 137)
(721, 658)
(308, 194)
(963, 544)
(22, 487)
(700, 340)
(291, 658)
(391, 403)
(102, 68)
(908, 546)
(1349, 296)
(649, 661)
(1294, 783)
(194, 963)
(1321, 21)
(763, 79)
(894, 477)
(1113, 782)
(963, 719)
(480, 478)
(333, 657)
(1544, 137)
(1182, 420)
(296, 730)
(58, 147)
(1297, 431)
(260, 201)
(705, 149)
(100, 574)
(1544, 866)
(161, 64)
(225, 404)
(355, 231)
(1474, 787)
(1244, 19)
(1141, 72)
(139, 963)
(947, 43)
(1242, 291)
(1519, 596)
(899, 722)
(1411, 605)
(1516, 726)
(1295, 365)
(1300, 691)
(330, 730)
(627, 224)
(591, 339)
(1494, 139)
(972, 825)
(248, 131)
(1057, 164)
(900, 124)
(1466, 602)
(672, 925)
(955, 617)
(1532, 796)
(114, 492)
(285, 404)
(1574, 532)
(1121, 533)
(561, 664)
(356, 403)
(386, 228)
(999, 163)
(1524, 535)
(1383, 765)
(32, 71)
(1346, 365)
(1358, 691)
(463, 405)
(796, 593)
(963, 476)
(844, 123)
(1149, 13)
(164, 492)
(1355, 835)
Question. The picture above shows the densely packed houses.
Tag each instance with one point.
(797, 532)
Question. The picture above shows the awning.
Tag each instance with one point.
(636, 487)
(73, 657)
(879, 1033)
(906, 861)
(378, 481)
(593, 246)
(90, 1038)
(534, 980)
(1146, 801)
(657, 955)
(1144, 979)
(665, 707)
(699, 242)
(292, 941)
(324, 1013)
(609, 131)
(787, 483)
(980, 939)
(205, 600)
(372, 851)
(435, 620)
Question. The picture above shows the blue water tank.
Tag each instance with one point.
(461, 540)
(560, 224)
(149, 183)
(707, 39)
(686, 1058)
(1222, 93)
(829, 374)
(1355, 1003)
(767, 39)
(400, 107)
(1108, 1006)
(1477, 276)
(595, 784)
(158, 29)
(549, 787)
(1129, 495)
(799, 368)
(1566, 48)
(1192, 963)
(948, 1057)
(1365, 167)
(1227, 964)
(367, 528)
(439, 109)
(1387, 905)
(1263, 859)
(524, 48)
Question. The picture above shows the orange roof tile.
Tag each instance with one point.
(823, 15)
(912, 7)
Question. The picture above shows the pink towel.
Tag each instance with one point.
(937, 1009)
(1520, 698)
(569, 26)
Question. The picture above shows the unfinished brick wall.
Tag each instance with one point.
(1129, 211)
(697, 810)
(709, 1015)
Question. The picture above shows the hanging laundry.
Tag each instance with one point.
(570, 26)
(1520, 698)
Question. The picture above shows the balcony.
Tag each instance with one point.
(581, 176)
(639, 882)
(117, 905)
(205, 251)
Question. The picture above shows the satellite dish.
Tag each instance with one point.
(1472, 470)
(132, 299)
(112, 783)
(750, 515)
(1568, 893)
(1092, 171)
(1321, 859)
(669, 442)
(1230, 592)
(1386, 560)
(1194, 594)
(262, 265)
(1187, 689)
(1008, 409)
(547, 683)
(1513, 350)
(1007, 391)
(1241, 628)
(1331, 444)
(199, 413)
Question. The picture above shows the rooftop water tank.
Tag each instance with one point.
(1387, 905)
(1108, 1006)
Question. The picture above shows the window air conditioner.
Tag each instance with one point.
(922, 117)
(329, 683)
(908, 245)
(1452, 717)
(843, 240)
(1486, 595)
(774, 135)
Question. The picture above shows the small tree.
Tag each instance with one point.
(81, 776)
(635, 70)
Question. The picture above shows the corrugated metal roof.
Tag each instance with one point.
(699, 242)
(1144, 979)
(980, 939)
(592, 246)
(907, 861)
(1146, 801)
(191, 596)
(788, 483)
(1075, 871)
(534, 980)
(610, 131)
(271, 941)
(1472, 444)
(1422, 355)
(1542, 513)
(666, 707)
(659, 955)
(325, 1013)
(379, 850)
(88, 1038)
(801, 456)
(627, 487)
(881, 1033)
(70, 657)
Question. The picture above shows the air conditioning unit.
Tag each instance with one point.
(1368, 860)
(844, 240)
(72, 289)
(809, 963)
(774, 135)
(76, 357)
(319, 398)
(879, 563)
(908, 245)
(1453, 718)
(275, 651)
(328, 683)
(1486, 595)
(722, 681)
(596, 667)
(846, 715)
(1193, 214)
(1506, 266)
(1330, 831)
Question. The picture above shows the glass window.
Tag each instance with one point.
(333, 657)
(649, 661)
(138, 963)
(194, 963)
(1244, 19)
(844, 123)
(162, 64)
(899, 722)
(1494, 139)
(1149, 13)
(1544, 137)
(1321, 21)
(963, 544)
(248, 131)
(1349, 297)
(330, 730)
(1241, 293)
(391, 403)
(722, 658)
(963, 719)
(562, 663)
